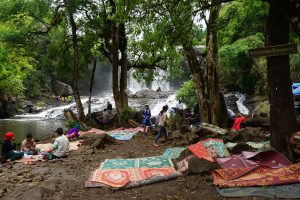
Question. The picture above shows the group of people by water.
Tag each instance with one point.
(162, 119)
(60, 147)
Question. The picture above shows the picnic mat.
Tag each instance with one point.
(291, 191)
(260, 146)
(124, 134)
(260, 176)
(73, 146)
(30, 159)
(91, 131)
(117, 178)
(150, 162)
(172, 153)
(213, 128)
(272, 159)
(209, 149)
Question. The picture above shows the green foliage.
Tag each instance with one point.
(70, 123)
(126, 114)
(173, 121)
(240, 19)
(41, 104)
(187, 93)
(70, 99)
(236, 67)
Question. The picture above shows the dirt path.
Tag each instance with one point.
(65, 179)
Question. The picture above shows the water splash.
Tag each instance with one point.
(240, 103)
(98, 103)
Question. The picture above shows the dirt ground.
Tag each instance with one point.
(65, 179)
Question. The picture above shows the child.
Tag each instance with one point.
(162, 123)
(28, 145)
(73, 132)
(9, 148)
(60, 146)
(146, 118)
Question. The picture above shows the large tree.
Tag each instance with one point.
(282, 113)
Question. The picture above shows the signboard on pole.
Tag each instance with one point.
(273, 51)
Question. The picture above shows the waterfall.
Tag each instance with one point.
(159, 81)
(240, 103)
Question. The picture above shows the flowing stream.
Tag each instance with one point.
(44, 123)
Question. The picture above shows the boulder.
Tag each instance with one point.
(258, 121)
(60, 88)
(197, 166)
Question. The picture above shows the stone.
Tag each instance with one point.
(60, 88)
(197, 166)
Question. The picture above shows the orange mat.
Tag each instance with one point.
(117, 178)
(234, 177)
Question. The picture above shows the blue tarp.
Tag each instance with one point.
(296, 88)
(283, 191)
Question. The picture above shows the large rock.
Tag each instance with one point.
(60, 88)
(258, 121)
(197, 166)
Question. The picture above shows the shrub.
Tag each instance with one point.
(126, 114)
(187, 93)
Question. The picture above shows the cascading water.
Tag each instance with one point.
(240, 103)
(159, 82)
(171, 102)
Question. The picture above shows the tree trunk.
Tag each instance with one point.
(91, 87)
(124, 66)
(71, 9)
(119, 79)
(115, 69)
(282, 114)
(198, 79)
(217, 110)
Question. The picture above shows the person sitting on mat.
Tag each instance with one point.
(9, 148)
(60, 146)
(73, 132)
(28, 145)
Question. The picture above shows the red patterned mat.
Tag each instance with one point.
(117, 178)
(261, 176)
(209, 149)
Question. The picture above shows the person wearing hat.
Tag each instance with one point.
(60, 147)
(9, 148)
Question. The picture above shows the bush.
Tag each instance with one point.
(70, 99)
(187, 93)
(173, 121)
(126, 114)
(236, 67)
(70, 124)
(41, 104)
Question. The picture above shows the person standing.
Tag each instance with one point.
(162, 123)
(146, 118)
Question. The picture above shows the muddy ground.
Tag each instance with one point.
(65, 179)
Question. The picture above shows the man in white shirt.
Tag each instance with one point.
(60, 146)
(179, 105)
